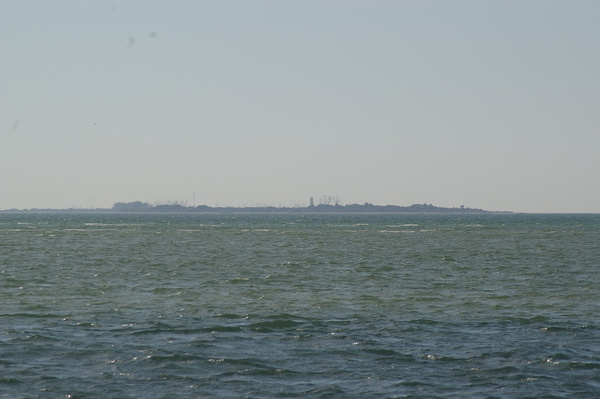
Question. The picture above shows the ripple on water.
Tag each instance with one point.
(158, 306)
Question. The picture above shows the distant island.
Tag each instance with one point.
(335, 207)
(138, 206)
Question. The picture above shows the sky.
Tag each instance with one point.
(491, 104)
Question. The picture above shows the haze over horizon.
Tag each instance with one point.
(491, 105)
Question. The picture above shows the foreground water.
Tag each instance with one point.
(283, 306)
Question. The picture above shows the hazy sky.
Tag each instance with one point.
(490, 104)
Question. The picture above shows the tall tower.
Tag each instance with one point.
(312, 203)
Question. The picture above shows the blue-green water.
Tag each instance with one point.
(285, 306)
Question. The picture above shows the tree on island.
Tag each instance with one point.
(136, 206)
(330, 200)
(327, 203)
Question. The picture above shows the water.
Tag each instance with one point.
(287, 306)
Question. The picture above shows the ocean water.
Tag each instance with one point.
(299, 306)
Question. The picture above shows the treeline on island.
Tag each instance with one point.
(138, 206)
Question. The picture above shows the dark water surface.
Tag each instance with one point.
(294, 306)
